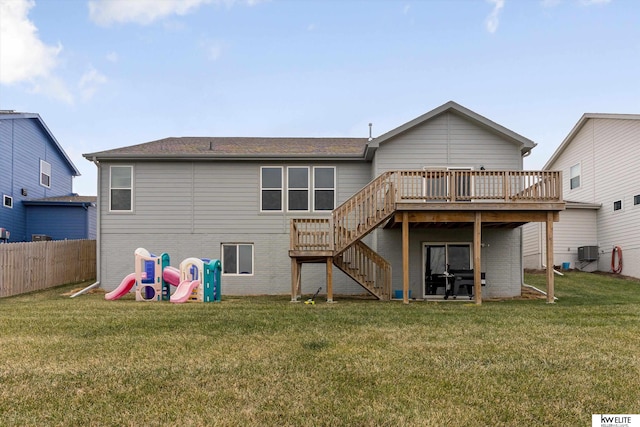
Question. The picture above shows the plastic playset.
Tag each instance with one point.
(196, 279)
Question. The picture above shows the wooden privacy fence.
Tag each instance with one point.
(33, 266)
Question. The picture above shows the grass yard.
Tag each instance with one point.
(267, 362)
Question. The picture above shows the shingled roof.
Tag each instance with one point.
(238, 147)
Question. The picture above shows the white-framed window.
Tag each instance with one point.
(271, 188)
(298, 188)
(237, 259)
(7, 201)
(617, 205)
(121, 189)
(574, 176)
(307, 188)
(324, 188)
(45, 174)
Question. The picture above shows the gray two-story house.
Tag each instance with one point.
(431, 209)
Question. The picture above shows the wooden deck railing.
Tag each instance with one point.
(364, 211)
(374, 203)
(311, 234)
(479, 186)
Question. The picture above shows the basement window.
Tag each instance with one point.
(7, 201)
(237, 259)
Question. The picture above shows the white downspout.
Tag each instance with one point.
(98, 227)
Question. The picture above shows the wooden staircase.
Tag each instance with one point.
(341, 236)
(367, 268)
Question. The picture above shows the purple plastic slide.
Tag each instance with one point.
(124, 288)
(183, 292)
(171, 275)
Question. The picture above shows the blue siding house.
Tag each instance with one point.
(36, 182)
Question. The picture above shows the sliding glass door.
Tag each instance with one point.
(436, 257)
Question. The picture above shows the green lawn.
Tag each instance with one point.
(264, 361)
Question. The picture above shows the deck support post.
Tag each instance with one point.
(295, 279)
(329, 279)
(550, 277)
(477, 260)
(405, 257)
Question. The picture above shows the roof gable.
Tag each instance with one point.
(578, 126)
(525, 144)
(10, 115)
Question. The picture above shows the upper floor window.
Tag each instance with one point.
(324, 188)
(271, 188)
(298, 188)
(45, 174)
(121, 189)
(636, 199)
(307, 188)
(617, 205)
(574, 176)
(7, 201)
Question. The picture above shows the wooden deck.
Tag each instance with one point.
(425, 198)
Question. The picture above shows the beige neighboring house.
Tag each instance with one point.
(600, 166)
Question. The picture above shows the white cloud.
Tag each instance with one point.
(112, 57)
(493, 18)
(107, 12)
(311, 27)
(591, 2)
(213, 49)
(24, 56)
(52, 87)
(406, 8)
(89, 83)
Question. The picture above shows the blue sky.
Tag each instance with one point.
(110, 73)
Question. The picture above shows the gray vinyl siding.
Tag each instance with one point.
(501, 257)
(447, 140)
(610, 170)
(188, 209)
(533, 239)
(577, 227)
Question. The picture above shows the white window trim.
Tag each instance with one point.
(237, 245)
(614, 205)
(308, 188)
(314, 188)
(121, 188)
(44, 172)
(282, 198)
(6, 197)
